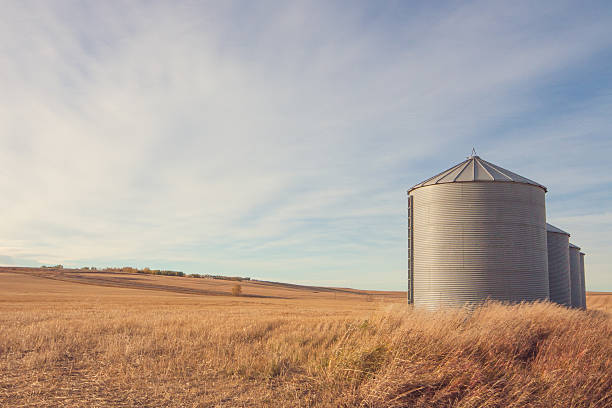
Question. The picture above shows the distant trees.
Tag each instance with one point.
(148, 271)
(230, 278)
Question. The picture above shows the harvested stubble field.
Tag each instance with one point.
(69, 338)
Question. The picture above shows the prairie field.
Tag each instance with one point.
(71, 338)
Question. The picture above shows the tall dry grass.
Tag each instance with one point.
(291, 355)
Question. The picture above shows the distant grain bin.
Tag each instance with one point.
(582, 283)
(558, 265)
(576, 291)
(476, 231)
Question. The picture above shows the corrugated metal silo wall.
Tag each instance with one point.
(479, 240)
(576, 290)
(558, 268)
(582, 284)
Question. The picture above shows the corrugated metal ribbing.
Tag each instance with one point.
(479, 240)
(582, 284)
(559, 268)
(410, 293)
(576, 290)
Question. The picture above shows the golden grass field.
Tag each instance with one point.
(81, 339)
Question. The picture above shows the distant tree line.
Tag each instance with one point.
(160, 272)
(149, 271)
(230, 278)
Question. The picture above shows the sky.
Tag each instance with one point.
(277, 139)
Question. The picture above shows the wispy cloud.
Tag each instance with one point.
(277, 139)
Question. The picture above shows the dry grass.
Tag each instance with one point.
(600, 301)
(68, 344)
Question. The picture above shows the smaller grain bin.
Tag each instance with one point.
(558, 265)
(576, 286)
(582, 283)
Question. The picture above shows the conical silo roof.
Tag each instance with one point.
(552, 228)
(476, 169)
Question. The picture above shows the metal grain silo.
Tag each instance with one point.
(557, 242)
(576, 291)
(476, 231)
(582, 284)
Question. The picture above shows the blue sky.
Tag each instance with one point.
(277, 139)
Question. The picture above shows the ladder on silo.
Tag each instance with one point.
(410, 292)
